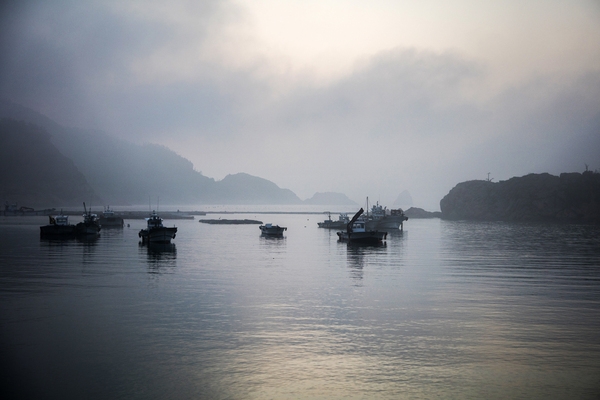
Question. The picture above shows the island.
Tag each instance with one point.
(570, 197)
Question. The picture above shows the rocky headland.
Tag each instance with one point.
(570, 197)
(418, 213)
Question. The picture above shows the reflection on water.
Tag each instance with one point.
(86, 239)
(566, 254)
(275, 242)
(159, 255)
(360, 255)
(441, 310)
(531, 293)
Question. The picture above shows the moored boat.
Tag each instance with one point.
(58, 227)
(384, 218)
(89, 225)
(272, 230)
(109, 219)
(341, 223)
(156, 232)
(356, 232)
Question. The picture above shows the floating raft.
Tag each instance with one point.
(230, 221)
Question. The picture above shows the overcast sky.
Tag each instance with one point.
(367, 98)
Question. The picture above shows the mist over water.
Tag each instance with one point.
(443, 309)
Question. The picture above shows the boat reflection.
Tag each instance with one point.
(159, 255)
(56, 241)
(360, 255)
(90, 240)
(397, 233)
(272, 240)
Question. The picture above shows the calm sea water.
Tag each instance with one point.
(442, 310)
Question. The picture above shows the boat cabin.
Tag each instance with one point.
(62, 220)
(358, 226)
(154, 221)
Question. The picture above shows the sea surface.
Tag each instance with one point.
(451, 310)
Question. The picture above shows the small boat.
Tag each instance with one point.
(109, 219)
(58, 227)
(341, 223)
(89, 225)
(272, 230)
(156, 232)
(356, 232)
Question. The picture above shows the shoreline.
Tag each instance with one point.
(41, 217)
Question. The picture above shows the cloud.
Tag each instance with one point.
(197, 77)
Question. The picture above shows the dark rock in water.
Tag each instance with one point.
(570, 197)
(416, 213)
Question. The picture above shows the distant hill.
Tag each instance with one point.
(570, 197)
(247, 189)
(114, 171)
(34, 173)
(419, 213)
(330, 199)
(126, 173)
(404, 199)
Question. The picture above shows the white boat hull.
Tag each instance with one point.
(158, 235)
(387, 222)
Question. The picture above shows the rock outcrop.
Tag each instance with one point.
(570, 197)
(418, 213)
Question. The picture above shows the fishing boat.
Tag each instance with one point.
(341, 223)
(272, 230)
(384, 218)
(156, 232)
(356, 232)
(89, 225)
(58, 227)
(109, 219)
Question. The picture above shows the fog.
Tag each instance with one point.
(362, 98)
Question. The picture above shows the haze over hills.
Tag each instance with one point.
(330, 198)
(90, 165)
(404, 200)
(125, 173)
(34, 172)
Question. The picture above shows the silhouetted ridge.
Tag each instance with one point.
(242, 188)
(119, 171)
(570, 197)
(34, 172)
